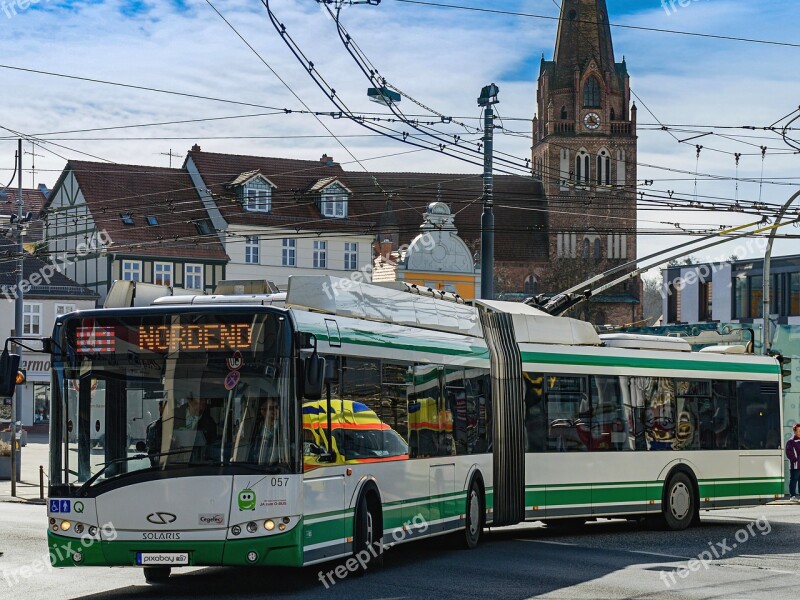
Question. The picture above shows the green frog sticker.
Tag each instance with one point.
(247, 500)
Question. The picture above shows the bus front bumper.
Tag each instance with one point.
(284, 549)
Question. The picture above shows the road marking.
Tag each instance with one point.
(546, 542)
(657, 554)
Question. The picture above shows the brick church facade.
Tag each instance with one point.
(584, 154)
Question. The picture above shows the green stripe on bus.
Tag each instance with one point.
(646, 363)
(411, 344)
(644, 491)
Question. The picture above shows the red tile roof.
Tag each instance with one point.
(384, 200)
(167, 194)
(292, 205)
(33, 201)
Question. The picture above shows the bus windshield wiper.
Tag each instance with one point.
(123, 459)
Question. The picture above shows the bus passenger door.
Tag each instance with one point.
(325, 524)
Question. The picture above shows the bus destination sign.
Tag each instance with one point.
(209, 336)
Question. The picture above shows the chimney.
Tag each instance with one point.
(327, 160)
(386, 249)
(196, 148)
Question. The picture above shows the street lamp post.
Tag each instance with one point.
(17, 319)
(766, 344)
(487, 100)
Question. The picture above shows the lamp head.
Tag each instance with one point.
(489, 95)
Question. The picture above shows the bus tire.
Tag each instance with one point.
(679, 505)
(475, 513)
(156, 574)
(368, 534)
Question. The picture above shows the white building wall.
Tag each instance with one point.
(270, 265)
(690, 296)
(722, 294)
(37, 365)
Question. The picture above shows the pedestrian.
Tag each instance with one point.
(793, 454)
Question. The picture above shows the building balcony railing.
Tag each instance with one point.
(621, 128)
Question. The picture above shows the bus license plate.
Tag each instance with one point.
(162, 559)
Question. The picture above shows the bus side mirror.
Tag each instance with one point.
(313, 377)
(9, 368)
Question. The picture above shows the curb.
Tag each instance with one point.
(30, 501)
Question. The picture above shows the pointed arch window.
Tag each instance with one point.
(591, 93)
(582, 173)
(613, 114)
(564, 113)
(597, 249)
(603, 172)
(586, 248)
(531, 285)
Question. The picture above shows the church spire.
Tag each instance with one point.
(583, 34)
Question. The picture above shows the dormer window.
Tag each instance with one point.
(333, 202)
(257, 195)
(127, 218)
(204, 226)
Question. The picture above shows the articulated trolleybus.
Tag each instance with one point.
(347, 417)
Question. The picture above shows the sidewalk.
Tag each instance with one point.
(35, 453)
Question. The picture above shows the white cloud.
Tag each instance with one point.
(441, 57)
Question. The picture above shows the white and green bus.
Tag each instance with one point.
(354, 416)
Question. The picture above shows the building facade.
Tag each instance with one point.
(281, 217)
(584, 153)
(105, 222)
(437, 258)
(47, 294)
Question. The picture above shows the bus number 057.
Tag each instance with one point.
(279, 481)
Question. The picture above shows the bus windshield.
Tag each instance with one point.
(155, 392)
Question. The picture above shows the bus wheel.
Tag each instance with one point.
(475, 514)
(156, 574)
(368, 538)
(679, 505)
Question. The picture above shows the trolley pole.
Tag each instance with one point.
(17, 318)
(487, 100)
(766, 342)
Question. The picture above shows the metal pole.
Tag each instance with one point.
(766, 344)
(487, 219)
(17, 321)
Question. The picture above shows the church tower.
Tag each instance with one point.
(584, 151)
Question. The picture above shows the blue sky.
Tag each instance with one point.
(441, 57)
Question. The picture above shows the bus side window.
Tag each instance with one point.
(423, 412)
(535, 413)
(479, 410)
(609, 421)
(724, 421)
(759, 415)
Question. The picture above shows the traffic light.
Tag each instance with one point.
(9, 373)
(786, 371)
